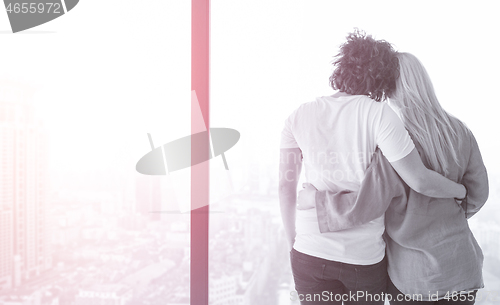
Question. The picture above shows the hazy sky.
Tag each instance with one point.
(111, 71)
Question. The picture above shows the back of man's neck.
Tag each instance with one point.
(340, 93)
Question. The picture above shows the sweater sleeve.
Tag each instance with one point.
(380, 187)
(475, 179)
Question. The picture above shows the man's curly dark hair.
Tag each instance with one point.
(365, 66)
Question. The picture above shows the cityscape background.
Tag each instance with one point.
(78, 97)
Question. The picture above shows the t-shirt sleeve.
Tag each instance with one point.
(391, 135)
(287, 137)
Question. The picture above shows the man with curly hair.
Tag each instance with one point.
(335, 137)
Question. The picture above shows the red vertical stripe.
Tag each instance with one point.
(200, 38)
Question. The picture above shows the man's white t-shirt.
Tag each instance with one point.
(337, 137)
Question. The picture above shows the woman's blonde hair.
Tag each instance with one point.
(427, 122)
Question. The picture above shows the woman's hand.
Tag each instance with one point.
(307, 197)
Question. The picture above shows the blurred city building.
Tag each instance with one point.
(24, 243)
(148, 196)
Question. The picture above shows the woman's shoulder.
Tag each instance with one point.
(467, 148)
(463, 134)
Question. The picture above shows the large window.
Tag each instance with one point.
(94, 83)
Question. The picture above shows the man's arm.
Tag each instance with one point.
(289, 173)
(394, 141)
(425, 181)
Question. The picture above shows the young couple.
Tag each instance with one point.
(390, 187)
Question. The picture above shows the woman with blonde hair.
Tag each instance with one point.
(432, 254)
(430, 247)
